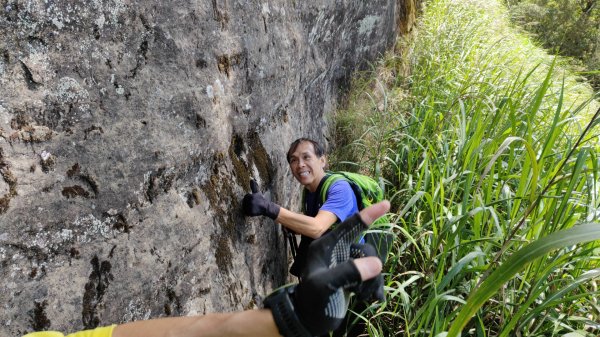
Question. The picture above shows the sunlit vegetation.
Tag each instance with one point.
(488, 148)
(566, 27)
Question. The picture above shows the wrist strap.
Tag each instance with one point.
(285, 317)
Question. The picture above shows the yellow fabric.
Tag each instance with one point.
(45, 334)
(105, 331)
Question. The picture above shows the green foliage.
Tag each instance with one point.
(566, 27)
(516, 262)
(489, 150)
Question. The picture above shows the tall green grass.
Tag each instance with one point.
(489, 150)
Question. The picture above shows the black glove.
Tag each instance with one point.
(319, 302)
(369, 290)
(255, 203)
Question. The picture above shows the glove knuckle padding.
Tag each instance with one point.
(349, 232)
(358, 250)
(334, 248)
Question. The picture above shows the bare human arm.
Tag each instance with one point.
(312, 227)
(235, 324)
(256, 204)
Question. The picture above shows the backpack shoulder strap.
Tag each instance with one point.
(330, 178)
(337, 176)
(321, 191)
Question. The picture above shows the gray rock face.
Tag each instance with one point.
(129, 132)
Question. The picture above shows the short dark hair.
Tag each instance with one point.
(319, 150)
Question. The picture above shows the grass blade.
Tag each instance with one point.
(578, 234)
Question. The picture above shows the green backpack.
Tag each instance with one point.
(367, 192)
